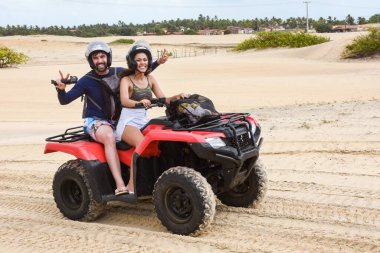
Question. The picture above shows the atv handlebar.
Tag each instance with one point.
(70, 80)
(155, 102)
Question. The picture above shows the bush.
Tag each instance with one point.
(123, 41)
(8, 57)
(364, 46)
(280, 39)
(323, 28)
(190, 32)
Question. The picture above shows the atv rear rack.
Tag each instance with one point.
(70, 135)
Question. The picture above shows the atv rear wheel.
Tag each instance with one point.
(72, 193)
(251, 192)
(184, 201)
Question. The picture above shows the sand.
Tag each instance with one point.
(320, 117)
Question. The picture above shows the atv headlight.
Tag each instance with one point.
(253, 130)
(215, 142)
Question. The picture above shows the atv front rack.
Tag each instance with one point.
(227, 121)
(70, 135)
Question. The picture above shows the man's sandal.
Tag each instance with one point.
(123, 190)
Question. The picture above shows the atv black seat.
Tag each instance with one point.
(70, 135)
(121, 145)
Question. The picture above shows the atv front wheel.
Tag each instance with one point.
(184, 201)
(72, 193)
(251, 192)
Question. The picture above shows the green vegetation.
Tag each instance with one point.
(8, 57)
(280, 39)
(171, 26)
(364, 46)
(190, 32)
(374, 19)
(323, 28)
(305, 125)
(123, 41)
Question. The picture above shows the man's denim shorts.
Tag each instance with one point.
(92, 124)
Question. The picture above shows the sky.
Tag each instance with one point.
(45, 13)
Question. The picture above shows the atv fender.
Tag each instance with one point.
(80, 149)
(164, 135)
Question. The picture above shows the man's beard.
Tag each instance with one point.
(101, 67)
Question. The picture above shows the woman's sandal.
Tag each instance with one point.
(129, 191)
(123, 190)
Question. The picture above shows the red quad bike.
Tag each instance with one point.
(181, 166)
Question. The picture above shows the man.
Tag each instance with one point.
(101, 89)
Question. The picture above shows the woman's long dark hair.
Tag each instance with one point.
(126, 72)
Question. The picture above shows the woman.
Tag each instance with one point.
(137, 86)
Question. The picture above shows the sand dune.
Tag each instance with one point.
(321, 123)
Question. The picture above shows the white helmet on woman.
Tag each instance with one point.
(96, 46)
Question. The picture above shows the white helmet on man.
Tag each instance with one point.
(96, 46)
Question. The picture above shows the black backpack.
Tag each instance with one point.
(196, 109)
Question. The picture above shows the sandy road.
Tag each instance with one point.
(324, 195)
